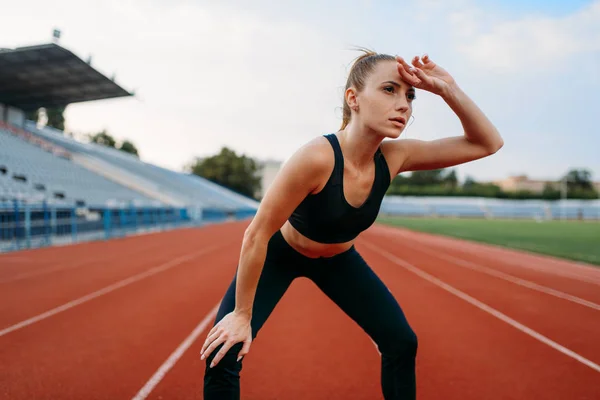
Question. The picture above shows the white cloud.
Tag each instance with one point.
(263, 80)
(529, 45)
(207, 76)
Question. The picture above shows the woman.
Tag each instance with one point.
(328, 192)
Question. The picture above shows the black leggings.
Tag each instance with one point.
(348, 281)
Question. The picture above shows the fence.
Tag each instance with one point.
(470, 207)
(25, 226)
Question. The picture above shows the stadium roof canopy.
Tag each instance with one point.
(48, 76)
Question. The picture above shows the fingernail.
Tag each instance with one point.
(212, 364)
(239, 358)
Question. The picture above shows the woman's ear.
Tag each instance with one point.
(351, 99)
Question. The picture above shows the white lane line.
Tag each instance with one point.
(61, 267)
(45, 271)
(105, 290)
(484, 307)
(175, 356)
(510, 278)
(532, 261)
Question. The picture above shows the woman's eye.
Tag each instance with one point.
(389, 89)
(412, 96)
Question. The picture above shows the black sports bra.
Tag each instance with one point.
(326, 217)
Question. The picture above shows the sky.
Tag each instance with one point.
(264, 77)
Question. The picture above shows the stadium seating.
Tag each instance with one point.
(576, 210)
(186, 188)
(490, 208)
(28, 172)
(431, 206)
(516, 209)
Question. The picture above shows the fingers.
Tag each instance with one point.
(245, 350)
(214, 344)
(427, 61)
(226, 346)
(417, 63)
(405, 72)
(422, 76)
(403, 63)
(209, 340)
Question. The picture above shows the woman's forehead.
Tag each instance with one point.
(386, 70)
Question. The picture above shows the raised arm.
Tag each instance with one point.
(298, 177)
(480, 138)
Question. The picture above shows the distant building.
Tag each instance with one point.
(270, 168)
(522, 182)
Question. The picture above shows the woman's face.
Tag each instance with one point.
(385, 104)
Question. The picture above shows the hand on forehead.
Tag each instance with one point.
(390, 71)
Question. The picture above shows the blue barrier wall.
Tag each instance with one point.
(25, 226)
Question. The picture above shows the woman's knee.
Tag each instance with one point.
(228, 365)
(400, 343)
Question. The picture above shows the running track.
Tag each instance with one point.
(126, 319)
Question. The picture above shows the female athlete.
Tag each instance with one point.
(323, 197)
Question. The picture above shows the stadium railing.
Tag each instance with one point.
(26, 225)
(463, 207)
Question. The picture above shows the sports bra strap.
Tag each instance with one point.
(338, 168)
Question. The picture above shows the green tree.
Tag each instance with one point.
(426, 177)
(579, 179)
(129, 147)
(56, 118)
(106, 139)
(103, 138)
(33, 115)
(238, 173)
(450, 179)
(550, 192)
(469, 182)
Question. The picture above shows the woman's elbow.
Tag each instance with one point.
(495, 145)
(254, 235)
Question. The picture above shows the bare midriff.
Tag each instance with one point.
(310, 248)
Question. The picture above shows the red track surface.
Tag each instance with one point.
(107, 344)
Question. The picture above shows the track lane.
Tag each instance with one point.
(38, 260)
(101, 349)
(465, 353)
(571, 278)
(570, 324)
(108, 347)
(307, 349)
(24, 299)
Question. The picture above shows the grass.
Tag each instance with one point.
(573, 240)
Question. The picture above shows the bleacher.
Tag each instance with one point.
(461, 207)
(529, 209)
(187, 189)
(54, 189)
(28, 172)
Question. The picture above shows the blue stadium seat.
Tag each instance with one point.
(186, 188)
(28, 172)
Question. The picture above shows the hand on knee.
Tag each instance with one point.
(229, 362)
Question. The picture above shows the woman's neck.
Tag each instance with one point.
(359, 145)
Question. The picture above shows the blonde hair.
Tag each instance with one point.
(361, 69)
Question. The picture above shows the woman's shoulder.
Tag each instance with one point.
(309, 166)
(395, 152)
(317, 152)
